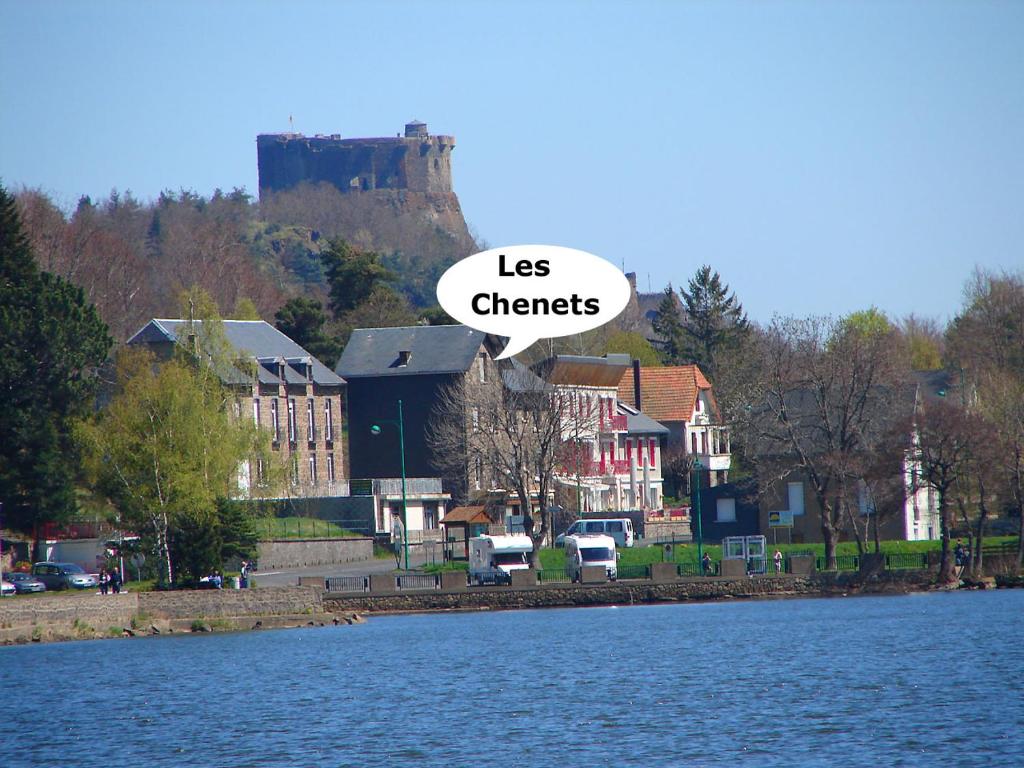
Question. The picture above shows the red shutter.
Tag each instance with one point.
(651, 450)
(629, 451)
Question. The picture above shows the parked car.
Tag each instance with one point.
(25, 582)
(63, 576)
(6, 588)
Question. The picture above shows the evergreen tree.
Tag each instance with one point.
(51, 344)
(668, 324)
(714, 323)
(352, 275)
(302, 320)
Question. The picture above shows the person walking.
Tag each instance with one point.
(115, 581)
(104, 581)
(778, 561)
(705, 564)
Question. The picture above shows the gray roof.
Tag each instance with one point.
(519, 378)
(638, 423)
(434, 349)
(253, 339)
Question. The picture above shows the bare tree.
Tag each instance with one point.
(816, 399)
(505, 437)
(940, 446)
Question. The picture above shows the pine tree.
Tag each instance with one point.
(51, 343)
(668, 324)
(714, 323)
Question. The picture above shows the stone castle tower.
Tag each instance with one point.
(416, 162)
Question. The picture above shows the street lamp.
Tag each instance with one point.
(697, 467)
(376, 430)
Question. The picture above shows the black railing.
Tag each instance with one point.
(410, 581)
(633, 572)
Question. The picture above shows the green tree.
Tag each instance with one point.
(245, 309)
(634, 345)
(302, 320)
(714, 321)
(166, 448)
(352, 275)
(52, 343)
(668, 324)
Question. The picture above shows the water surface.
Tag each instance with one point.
(920, 680)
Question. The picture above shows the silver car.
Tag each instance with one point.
(64, 576)
(25, 582)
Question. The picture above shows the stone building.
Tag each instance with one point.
(288, 393)
(417, 161)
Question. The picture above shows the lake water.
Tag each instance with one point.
(921, 680)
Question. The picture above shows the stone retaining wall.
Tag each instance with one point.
(21, 617)
(303, 553)
(629, 593)
(213, 603)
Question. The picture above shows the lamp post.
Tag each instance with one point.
(697, 467)
(375, 429)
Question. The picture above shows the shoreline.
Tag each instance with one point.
(85, 617)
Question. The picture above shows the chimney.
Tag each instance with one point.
(636, 384)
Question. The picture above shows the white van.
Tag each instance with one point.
(590, 549)
(619, 528)
(493, 558)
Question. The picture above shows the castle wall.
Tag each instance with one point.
(418, 164)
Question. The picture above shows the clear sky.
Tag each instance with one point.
(823, 156)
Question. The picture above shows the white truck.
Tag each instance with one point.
(588, 549)
(493, 558)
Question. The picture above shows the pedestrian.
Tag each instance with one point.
(778, 560)
(705, 564)
(960, 554)
(104, 581)
(115, 581)
(243, 581)
(218, 582)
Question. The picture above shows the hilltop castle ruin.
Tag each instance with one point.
(398, 190)
(417, 162)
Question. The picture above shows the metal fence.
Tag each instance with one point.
(302, 528)
(348, 584)
(411, 581)
(906, 560)
(633, 572)
(843, 563)
(548, 575)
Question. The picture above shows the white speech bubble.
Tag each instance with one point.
(502, 291)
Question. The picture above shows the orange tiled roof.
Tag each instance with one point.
(667, 394)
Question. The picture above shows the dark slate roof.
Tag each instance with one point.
(434, 349)
(252, 338)
(638, 423)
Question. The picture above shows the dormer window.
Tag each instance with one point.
(403, 357)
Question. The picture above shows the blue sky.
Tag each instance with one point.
(822, 156)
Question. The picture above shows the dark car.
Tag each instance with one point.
(63, 576)
(25, 582)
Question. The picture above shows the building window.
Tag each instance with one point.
(276, 423)
(238, 409)
(430, 516)
(330, 468)
(312, 469)
(481, 364)
(703, 442)
(256, 411)
(260, 477)
(476, 419)
(311, 425)
(478, 472)
(328, 426)
(291, 419)
(295, 469)
(693, 443)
